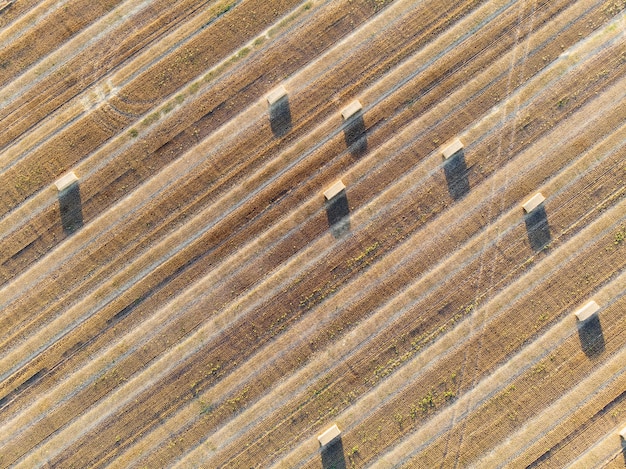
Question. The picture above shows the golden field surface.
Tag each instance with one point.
(194, 300)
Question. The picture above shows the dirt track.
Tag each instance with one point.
(241, 252)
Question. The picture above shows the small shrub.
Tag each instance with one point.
(151, 118)
(206, 408)
(562, 102)
(398, 417)
(225, 8)
(243, 52)
(427, 402)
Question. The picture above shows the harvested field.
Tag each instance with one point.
(194, 301)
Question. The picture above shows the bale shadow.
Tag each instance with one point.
(456, 173)
(623, 449)
(332, 455)
(355, 135)
(71, 208)
(538, 228)
(337, 212)
(591, 336)
(280, 117)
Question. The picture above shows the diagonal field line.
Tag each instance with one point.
(607, 450)
(191, 238)
(268, 364)
(396, 308)
(94, 32)
(16, 28)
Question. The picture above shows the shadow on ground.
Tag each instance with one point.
(538, 228)
(337, 212)
(280, 117)
(71, 209)
(332, 455)
(455, 170)
(591, 336)
(355, 134)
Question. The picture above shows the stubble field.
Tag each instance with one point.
(205, 307)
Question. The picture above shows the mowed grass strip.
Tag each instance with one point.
(29, 249)
(445, 411)
(390, 350)
(277, 365)
(43, 37)
(118, 48)
(533, 392)
(562, 432)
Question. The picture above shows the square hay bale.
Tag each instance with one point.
(534, 202)
(276, 95)
(452, 148)
(329, 435)
(66, 181)
(623, 433)
(351, 109)
(588, 310)
(334, 190)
